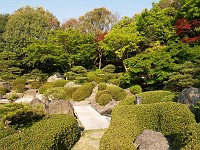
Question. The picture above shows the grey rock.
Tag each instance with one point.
(4, 101)
(72, 84)
(54, 77)
(60, 107)
(30, 93)
(152, 140)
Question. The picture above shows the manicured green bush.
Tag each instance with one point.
(102, 86)
(135, 89)
(104, 99)
(45, 86)
(150, 97)
(128, 121)
(69, 91)
(56, 93)
(70, 75)
(56, 132)
(59, 83)
(18, 81)
(3, 132)
(80, 79)
(197, 111)
(109, 68)
(79, 70)
(99, 93)
(3, 90)
(115, 81)
(13, 96)
(20, 88)
(116, 92)
(83, 92)
(93, 77)
(35, 84)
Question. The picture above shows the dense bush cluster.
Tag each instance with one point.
(3, 90)
(135, 89)
(44, 87)
(83, 92)
(104, 99)
(102, 86)
(150, 97)
(35, 84)
(56, 132)
(19, 85)
(59, 83)
(93, 77)
(171, 119)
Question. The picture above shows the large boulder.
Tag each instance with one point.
(30, 93)
(152, 140)
(54, 77)
(189, 96)
(60, 107)
(72, 84)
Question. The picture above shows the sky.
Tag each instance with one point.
(65, 9)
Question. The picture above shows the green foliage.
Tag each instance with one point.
(116, 92)
(136, 89)
(56, 93)
(3, 132)
(101, 92)
(79, 70)
(80, 79)
(3, 90)
(36, 75)
(55, 132)
(69, 91)
(35, 84)
(83, 92)
(18, 81)
(20, 88)
(197, 111)
(128, 122)
(115, 81)
(109, 69)
(102, 86)
(104, 99)
(151, 97)
(93, 77)
(59, 83)
(70, 75)
(44, 87)
(13, 96)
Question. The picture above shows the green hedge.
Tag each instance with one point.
(93, 77)
(56, 132)
(83, 92)
(56, 93)
(45, 86)
(3, 90)
(69, 91)
(150, 97)
(116, 92)
(102, 86)
(104, 99)
(35, 84)
(59, 83)
(115, 81)
(128, 121)
(135, 89)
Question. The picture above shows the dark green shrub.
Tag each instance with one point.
(150, 97)
(102, 86)
(69, 91)
(116, 92)
(128, 121)
(3, 132)
(3, 90)
(115, 81)
(80, 79)
(59, 83)
(135, 89)
(20, 88)
(79, 70)
(93, 77)
(197, 111)
(56, 132)
(70, 75)
(35, 84)
(104, 99)
(45, 86)
(99, 93)
(83, 92)
(56, 93)
(109, 68)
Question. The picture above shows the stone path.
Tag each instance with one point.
(90, 118)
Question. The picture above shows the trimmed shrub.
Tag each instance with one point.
(115, 81)
(83, 92)
(13, 96)
(79, 70)
(56, 132)
(35, 84)
(197, 111)
(93, 77)
(70, 75)
(109, 68)
(18, 81)
(3, 90)
(116, 92)
(80, 79)
(44, 87)
(150, 97)
(20, 88)
(59, 83)
(102, 86)
(56, 93)
(69, 91)
(135, 89)
(104, 99)
(3, 132)
(99, 93)
(128, 121)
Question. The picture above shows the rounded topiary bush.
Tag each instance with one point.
(99, 93)
(93, 77)
(44, 87)
(35, 84)
(69, 91)
(104, 99)
(59, 83)
(102, 86)
(116, 92)
(135, 89)
(109, 68)
(18, 81)
(56, 93)
(20, 88)
(83, 92)
(3, 90)
(115, 81)
(79, 70)
(70, 75)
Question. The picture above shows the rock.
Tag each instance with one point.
(72, 84)
(189, 96)
(6, 85)
(43, 98)
(54, 77)
(60, 107)
(36, 101)
(30, 93)
(4, 101)
(152, 140)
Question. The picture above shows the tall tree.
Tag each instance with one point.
(70, 23)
